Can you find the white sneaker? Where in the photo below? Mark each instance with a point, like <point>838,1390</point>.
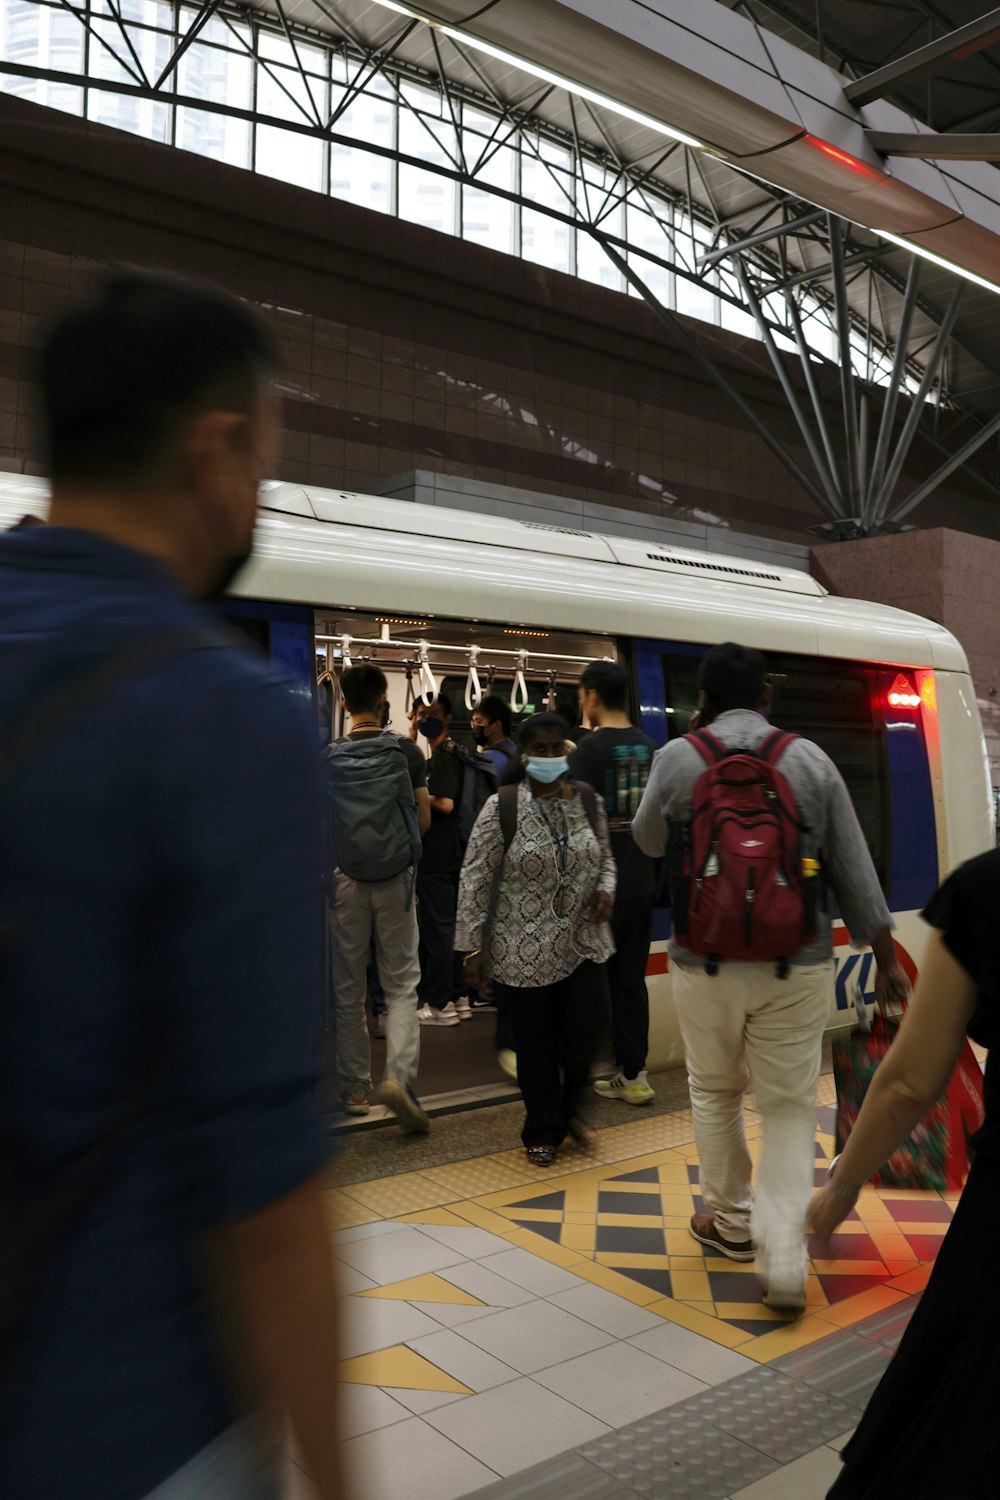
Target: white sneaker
<point>462,1008</point>
<point>629,1091</point>
<point>781,1266</point>
<point>447,1016</point>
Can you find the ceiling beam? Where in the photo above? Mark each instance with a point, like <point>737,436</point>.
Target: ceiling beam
<point>734,247</point>
<point>956,46</point>
<point>932,146</point>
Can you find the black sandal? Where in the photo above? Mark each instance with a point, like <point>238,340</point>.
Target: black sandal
<point>541,1156</point>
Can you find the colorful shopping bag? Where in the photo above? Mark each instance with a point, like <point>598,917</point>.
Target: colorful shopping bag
<point>936,1156</point>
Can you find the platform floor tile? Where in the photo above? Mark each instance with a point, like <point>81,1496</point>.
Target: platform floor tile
<point>512,1334</point>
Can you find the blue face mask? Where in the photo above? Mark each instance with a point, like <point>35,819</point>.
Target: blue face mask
<point>546,768</point>
<point>430,728</point>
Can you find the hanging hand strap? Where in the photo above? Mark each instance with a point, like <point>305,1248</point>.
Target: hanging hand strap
<point>428,686</point>
<point>473,691</point>
<point>519,694</point>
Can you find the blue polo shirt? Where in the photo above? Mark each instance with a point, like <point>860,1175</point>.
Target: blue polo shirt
<point>164,860</point>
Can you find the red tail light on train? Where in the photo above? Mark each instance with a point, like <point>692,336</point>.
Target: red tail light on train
<point>902,694</point>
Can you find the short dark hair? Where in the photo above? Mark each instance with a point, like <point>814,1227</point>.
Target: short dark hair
<point>441,698</point>
<point>733,676</point>
<point>362,687</point>
<point>495,710</point>
<point>609,681</point>
<point>528,728</point>
<point>126,367</point>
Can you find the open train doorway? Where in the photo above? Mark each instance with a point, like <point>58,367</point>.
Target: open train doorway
<point>531,670</point>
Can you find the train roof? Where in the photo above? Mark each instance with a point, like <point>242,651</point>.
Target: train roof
<point>348,551</point>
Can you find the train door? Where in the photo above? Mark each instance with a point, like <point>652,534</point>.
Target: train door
<point>284,632</point>
<point>529,670</point>
<point>871,721</point>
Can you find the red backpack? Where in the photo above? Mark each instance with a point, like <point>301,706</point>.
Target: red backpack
<point>742,865</point>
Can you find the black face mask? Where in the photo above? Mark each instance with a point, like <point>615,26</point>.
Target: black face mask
<point>229,569</point>
<point>480,734</point>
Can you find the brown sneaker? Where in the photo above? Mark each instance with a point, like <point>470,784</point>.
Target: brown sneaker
<point>702,1228</point>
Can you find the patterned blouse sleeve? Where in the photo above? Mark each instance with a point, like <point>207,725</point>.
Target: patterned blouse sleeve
<point>483,858</point>
<point>608,878</point>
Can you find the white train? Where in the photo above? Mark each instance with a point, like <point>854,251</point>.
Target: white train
<point>466,601</point>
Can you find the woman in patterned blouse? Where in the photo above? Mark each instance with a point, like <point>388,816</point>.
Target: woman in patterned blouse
<point>534,919</point>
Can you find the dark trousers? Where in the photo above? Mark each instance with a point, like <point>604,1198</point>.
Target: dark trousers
<point>631,928</point>
<point>505,1030</point>
<point>442,966</point>
<point>556,1025</point>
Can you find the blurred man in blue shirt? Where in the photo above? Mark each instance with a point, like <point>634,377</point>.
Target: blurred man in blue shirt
<point>161,872</point>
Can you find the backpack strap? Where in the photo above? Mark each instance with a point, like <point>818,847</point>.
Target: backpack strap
<point>61,707</point>
<point>507,804</point>
<point>708,747</point>
<point>589,799</point>
<point>36,1246</point>
<point>773,746</point>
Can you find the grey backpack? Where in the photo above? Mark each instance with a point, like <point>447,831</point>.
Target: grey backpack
<point>371,810</point>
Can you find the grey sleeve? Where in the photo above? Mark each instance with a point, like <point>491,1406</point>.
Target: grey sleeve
<point>848,865</point>
<point>650,824</point>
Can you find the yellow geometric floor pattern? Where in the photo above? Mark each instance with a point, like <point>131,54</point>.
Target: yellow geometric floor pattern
<point>619,1219</point>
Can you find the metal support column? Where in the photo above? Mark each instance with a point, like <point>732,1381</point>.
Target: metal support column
<point>940,475</point>
<point>895,386</point>
<point>855,460</point>
<point>826,475</point>
<point>692,347</point>
<point>881,503</point>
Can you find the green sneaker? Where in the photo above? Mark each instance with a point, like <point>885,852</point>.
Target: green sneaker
<point>627,1090</point>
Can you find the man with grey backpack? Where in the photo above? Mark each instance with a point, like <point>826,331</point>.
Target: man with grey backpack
<point>377,807</point>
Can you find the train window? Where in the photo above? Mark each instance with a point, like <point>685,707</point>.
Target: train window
<point>832,703</point>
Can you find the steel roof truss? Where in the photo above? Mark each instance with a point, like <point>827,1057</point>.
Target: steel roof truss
<point>925,61</point>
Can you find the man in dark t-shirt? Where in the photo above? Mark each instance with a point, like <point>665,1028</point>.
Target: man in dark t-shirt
<point>437,878</point>
<point>615,759</point>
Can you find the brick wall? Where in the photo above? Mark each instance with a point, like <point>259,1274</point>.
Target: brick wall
<point>950,577</point>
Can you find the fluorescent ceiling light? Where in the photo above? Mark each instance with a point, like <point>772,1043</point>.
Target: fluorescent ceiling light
<point>558,79</point>
<point>916,248</point>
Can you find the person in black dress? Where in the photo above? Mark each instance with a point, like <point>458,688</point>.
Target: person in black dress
<point>930,1430</point>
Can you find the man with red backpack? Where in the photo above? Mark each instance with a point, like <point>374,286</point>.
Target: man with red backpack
<point>755,824</point>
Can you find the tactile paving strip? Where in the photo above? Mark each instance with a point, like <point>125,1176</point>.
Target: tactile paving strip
<point>678,1455</point>
<point>778,1415</point>
<point>887,1327</point>
<point>847,1366</point>
<point>567,1478</point>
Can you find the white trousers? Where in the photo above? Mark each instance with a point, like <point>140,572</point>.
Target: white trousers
<point>743,1025</point>
<point>386,911</point>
